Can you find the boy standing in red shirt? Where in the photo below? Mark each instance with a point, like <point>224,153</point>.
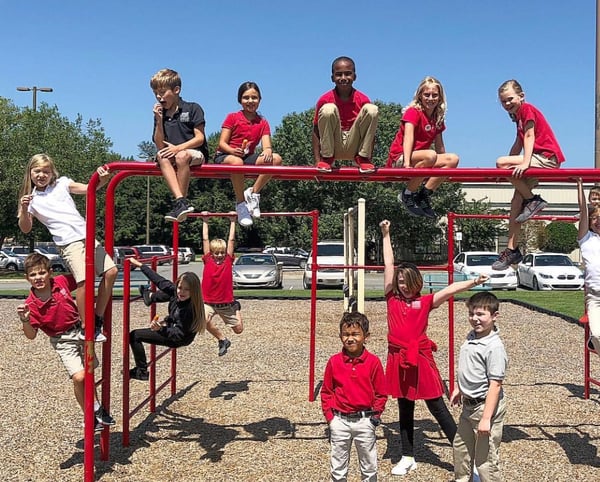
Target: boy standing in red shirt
<point>353,396</point>
<point>345,122</point>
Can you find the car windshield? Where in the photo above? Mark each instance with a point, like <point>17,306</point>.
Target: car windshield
<point>481,259</point>
<point>254,260</point>
<point>553,261</point>
<point>330,250</point>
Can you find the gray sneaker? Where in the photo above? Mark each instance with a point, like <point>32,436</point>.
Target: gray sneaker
<point>506,258</point>
<point>532,207</point>
<point>224,346</point>
<point>410,203</point>
<point>252,202</point>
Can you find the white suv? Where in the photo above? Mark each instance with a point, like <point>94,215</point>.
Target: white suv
<point>328,253</point>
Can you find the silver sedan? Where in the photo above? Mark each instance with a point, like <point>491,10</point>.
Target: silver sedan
<point>257,271</point>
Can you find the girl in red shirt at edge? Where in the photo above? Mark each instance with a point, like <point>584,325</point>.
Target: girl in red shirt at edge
<point>411,372</point>
<point>419,143</point>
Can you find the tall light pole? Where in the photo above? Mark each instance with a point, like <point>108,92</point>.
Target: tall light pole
<point>35,90</point>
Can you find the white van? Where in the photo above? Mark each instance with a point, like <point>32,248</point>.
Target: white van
<point>328,253</point>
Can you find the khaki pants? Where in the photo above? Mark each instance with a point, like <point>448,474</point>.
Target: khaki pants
<point>345,145</point>
<point>483,452</point>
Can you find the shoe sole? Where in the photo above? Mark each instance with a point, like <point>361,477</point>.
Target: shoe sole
<point>409,469</point>
<point>183,216</point>
<point>322,169</point>
<point>521,219</point>
<point>170,218</point>
<point>245,222</point>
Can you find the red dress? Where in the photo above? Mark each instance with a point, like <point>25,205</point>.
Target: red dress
<point>410,370</point>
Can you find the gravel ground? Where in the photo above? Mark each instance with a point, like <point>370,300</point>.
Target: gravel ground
<point>246,416</point>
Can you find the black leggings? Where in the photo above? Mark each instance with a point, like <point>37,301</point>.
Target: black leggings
<point>438,409</point>
<point>146,335</point>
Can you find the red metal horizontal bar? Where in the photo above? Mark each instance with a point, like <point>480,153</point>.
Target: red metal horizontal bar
<point>383,174</point>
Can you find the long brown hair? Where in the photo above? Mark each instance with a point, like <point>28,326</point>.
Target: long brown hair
<point>412,278</point>
<point>193,282</point>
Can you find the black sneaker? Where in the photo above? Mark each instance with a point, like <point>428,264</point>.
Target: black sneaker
<point>98,427</point>
<point>98,335</point>
<point>146,294</point>
<point>138,373</point>
<point>532,207</point>
<point>506,258</point>
<point>182,209</point>
<point>410,202</point>
<point>103,417</point>
<point>424,202</point>
<point>224,346</point>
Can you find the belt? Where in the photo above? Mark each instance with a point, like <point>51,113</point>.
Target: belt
<point>473,402</point>
<point>220,305</point>
<point>356,415</point>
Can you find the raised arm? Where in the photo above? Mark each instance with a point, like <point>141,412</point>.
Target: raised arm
<point>205,238</point>
<point>584,222</point>
<point>81,188</point>
<point>231,238</point>
<point>388,256</point>
<point>441,296</point>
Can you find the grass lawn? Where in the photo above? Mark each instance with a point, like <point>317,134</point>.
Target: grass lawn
<point>567,303</point>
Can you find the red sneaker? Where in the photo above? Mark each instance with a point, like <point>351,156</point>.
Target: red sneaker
<point>324,165</point>
<point>364,165</point>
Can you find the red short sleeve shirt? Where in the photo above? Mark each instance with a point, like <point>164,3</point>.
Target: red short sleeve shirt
<point>58,313</point>
<point>217,280</point>
<point>242,128</point>
<point>425,133</point>
<point>348,109</point>
<point>545,142</point>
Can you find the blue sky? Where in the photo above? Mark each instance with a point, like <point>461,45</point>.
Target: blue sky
<point>99,56</point>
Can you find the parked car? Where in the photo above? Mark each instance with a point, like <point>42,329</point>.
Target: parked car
<point>121,253</point>
<point>328,253</point>
<point>56,262</point>
<point>11,261</point>
<point>151,250</point>
<point>473,263</point>
<point>295,257</point>
<point>188,255</point>
<point>549,271</point>
<point>257,271</point>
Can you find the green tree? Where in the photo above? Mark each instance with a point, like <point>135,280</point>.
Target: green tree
<point>77,148</point>
<point>561,237</point>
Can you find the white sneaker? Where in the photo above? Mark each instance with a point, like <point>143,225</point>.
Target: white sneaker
<point>252,202</point>
<point>405,465</point>
<point>243,215</point>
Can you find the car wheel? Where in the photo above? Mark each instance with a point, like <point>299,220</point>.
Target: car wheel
<point>11,267</point>
<point>302,264</point>
<point>58,268</point>
<point>305,284</point>
<point>536,286</point>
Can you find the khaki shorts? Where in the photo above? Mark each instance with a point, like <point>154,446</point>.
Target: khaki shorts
<point>197,156</point>
<point>539,161</point>
<point>74,256</point>
<point>70,349</point>
<point>226,311</point>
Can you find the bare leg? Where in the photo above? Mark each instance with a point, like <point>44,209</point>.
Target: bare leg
<point>443,161</point>
<point>170,176</point>
<point>514,228</point>
<point>263,179</point>
<point>79,387</point>
<point>213,330</point>
<point>80,301</point>
<point>105,290</point>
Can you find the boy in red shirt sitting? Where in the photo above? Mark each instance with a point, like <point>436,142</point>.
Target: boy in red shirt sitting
<point>353,396</point>
<point>345,122</point>
<point>50,307</point>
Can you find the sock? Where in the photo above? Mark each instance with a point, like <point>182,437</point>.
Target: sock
<point>96,405</point>
<point>408,192</point>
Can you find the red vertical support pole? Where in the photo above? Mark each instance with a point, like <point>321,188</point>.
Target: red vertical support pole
<point>451,302</point>
<point>125,348</point>
<point>89,382</point>
<point>175,246</point>
<point>313,308</point>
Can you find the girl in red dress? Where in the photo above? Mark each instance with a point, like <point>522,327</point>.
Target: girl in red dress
<point>411,372</point>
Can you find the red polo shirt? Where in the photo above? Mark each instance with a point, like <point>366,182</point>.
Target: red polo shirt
<point>545,143</point>
<point>348,109</point>
<point>58,313</point>
<point>352,384</point>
